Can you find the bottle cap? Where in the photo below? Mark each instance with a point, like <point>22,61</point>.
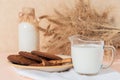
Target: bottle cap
<point>28,11</point>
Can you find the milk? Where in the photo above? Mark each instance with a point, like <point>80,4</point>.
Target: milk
<point>87,58</point>
<point>28,37</point>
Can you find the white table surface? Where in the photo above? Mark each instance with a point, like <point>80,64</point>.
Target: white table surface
<point>7,73</point>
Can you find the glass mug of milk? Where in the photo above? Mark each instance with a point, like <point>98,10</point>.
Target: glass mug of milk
<point>87,55</point>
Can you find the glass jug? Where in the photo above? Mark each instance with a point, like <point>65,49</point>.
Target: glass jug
<point>87,55</point>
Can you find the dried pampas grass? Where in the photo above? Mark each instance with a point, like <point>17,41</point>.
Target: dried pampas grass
<point>82,20</point>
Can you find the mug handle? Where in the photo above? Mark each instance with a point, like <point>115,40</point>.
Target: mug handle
<point>113,56</point>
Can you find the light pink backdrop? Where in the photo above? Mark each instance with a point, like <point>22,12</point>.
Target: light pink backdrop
<point>9,16</point>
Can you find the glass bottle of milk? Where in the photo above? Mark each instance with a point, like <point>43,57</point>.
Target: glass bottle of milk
<point>28,33</point>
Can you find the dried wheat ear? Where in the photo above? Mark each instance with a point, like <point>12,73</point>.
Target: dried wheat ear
<point>82,20</point>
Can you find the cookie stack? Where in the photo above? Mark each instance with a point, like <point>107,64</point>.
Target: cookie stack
<point>37,58</point>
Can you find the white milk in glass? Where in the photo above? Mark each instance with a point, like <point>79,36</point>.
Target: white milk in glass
<point>87,58</point>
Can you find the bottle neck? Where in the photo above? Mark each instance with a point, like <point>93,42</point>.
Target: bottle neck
<point>29,18</point>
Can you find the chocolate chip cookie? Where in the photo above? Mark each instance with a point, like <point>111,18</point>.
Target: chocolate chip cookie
<point>46,55</point>
<point>30,56</point>
<point>18,59</point>
<point>44,63</point>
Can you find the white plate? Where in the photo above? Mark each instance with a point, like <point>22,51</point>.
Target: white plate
<point>46,68</point>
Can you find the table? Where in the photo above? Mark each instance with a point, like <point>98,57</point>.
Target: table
<point>6,73</point>
<point>116,64</point>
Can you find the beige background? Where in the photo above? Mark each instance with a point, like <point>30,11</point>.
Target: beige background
<point>9,10</point>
